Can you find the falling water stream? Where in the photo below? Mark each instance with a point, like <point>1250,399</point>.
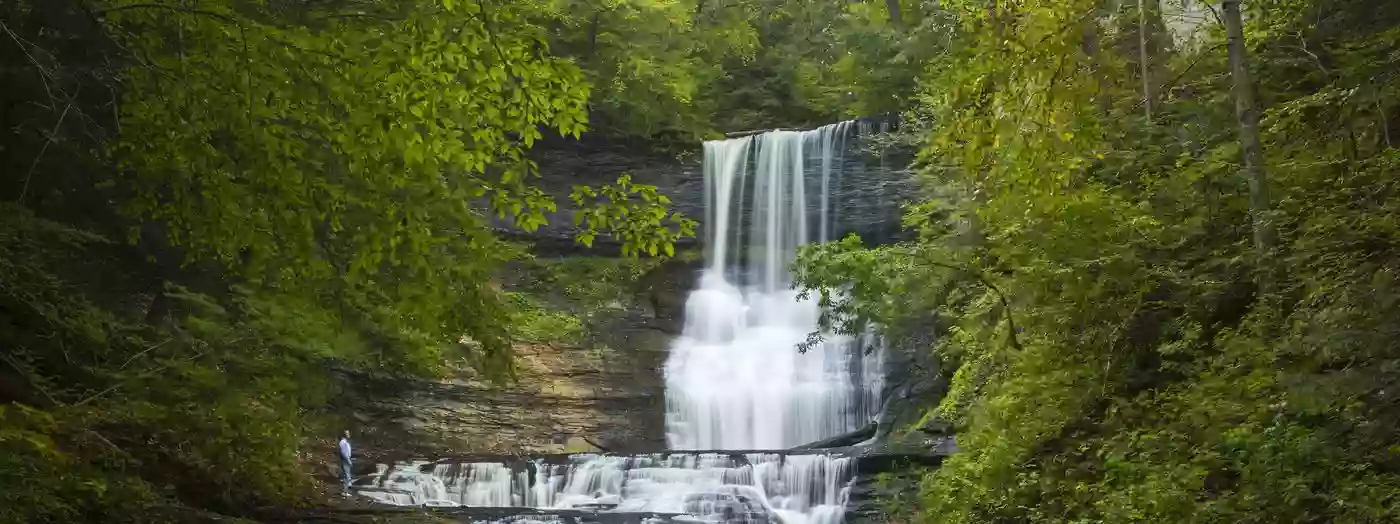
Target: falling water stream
<point>735,378</point>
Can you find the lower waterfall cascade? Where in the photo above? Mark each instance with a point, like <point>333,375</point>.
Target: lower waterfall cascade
<point>735,377</point>
<point>735,488</point>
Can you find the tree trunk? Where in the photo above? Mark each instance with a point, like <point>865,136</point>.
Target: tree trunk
<point>1144,60</point>
<point>1096,64</point>
<point>593,35</point>
<point>1384,124</point>
<point>159,310</point>
<point>896,17</point>
<point>1251,147</point>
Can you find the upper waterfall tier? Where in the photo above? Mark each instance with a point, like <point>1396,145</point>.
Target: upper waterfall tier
<point>735,379</point>
<point>870,189</point>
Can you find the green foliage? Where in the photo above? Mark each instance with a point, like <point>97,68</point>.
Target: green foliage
<point>677,71</point>
<point>898,494</point>
<point>591,282</point>
<point>1090,271</point>
<point>643,224</point>
<point>208,409</point>
<point>821,61</point>
<point>532,321</point>
<point>305,186</point>
<point>574,300</point>
<point>650,61</point>
<point>325,154</point>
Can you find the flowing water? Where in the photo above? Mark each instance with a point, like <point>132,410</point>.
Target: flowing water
<point>735,378</point>
<point>738,488</point>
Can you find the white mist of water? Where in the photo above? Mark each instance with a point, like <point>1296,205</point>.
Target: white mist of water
<point>736,379</point>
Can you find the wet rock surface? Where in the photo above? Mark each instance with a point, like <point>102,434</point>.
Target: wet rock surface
<point>606,395</point>
<point>914,384</point>
<point>381,514</point>
<point>870,188</point>
<point>603,393</point>
<point>908,442</point>
<point>567,399</point>
<point>566,484</point>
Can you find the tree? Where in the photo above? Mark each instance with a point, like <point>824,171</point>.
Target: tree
<point>1144,61</point>
<point>306,184</point>
<point>327,152</point>
<point>1109,357</point>
<point>651,64</point>
<point>1251,147</point>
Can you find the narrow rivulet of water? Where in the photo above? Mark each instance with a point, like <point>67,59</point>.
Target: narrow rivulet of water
<point>735,378</point>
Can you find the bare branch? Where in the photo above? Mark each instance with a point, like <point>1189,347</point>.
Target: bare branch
<point>30,378</point>
<point>44,74</point>
<point>118,385</point>
<point>1172,83</point>
<point>47,141</point>
<point>143,352</point>
<point>212,14</point>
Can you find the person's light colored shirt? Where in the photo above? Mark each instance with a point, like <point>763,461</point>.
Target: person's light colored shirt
<point>344,448</point>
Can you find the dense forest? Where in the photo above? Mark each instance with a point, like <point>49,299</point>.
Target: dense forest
<point>1159,243</point>
<point>1157,240</point>
<point>211,204</point>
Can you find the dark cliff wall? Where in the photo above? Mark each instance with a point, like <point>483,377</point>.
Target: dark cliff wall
<point>865,198</point>
<point>606,390</point>
<point>602,389</point>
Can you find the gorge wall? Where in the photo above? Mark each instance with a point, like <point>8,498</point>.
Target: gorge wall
<point>604,387</point>
<point>871,190</point>
<point>588,369</point>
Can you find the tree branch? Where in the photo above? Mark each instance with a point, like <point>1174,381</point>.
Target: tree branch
<point>221,16</point>
<point>1005,304</point>
<point>114,387</point>
<point>597,445</point>
<point>30,377</point>
<point>44,74</point>
<point>143,352</point>
<point>48,140</point>
<point>1172,83</point>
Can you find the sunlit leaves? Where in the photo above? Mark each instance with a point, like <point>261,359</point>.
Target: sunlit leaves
<point>633,213</point>
<point>649,59</point>
<point>346,152</point>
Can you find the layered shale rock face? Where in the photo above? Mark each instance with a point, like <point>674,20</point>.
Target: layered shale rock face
<point>603,389</point>
<point>582,430</point>
<point>869,193</point>
<point>589,369</point>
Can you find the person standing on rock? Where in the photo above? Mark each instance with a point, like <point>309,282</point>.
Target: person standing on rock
<point>344,451</point>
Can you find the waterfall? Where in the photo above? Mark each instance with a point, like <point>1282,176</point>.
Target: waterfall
<point>738,390</point>
<point>747,487</point>
<point>735,379</point>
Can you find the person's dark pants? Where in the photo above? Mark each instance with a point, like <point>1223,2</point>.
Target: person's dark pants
<point>345,474</point>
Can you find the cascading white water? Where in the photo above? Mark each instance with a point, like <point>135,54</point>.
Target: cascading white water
<point>735,379</point>
<point>800,488</point>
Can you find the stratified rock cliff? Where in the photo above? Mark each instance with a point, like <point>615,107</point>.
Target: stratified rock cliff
<point>868,187</point>
<point>602,387</point>
<point>589,369</point>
